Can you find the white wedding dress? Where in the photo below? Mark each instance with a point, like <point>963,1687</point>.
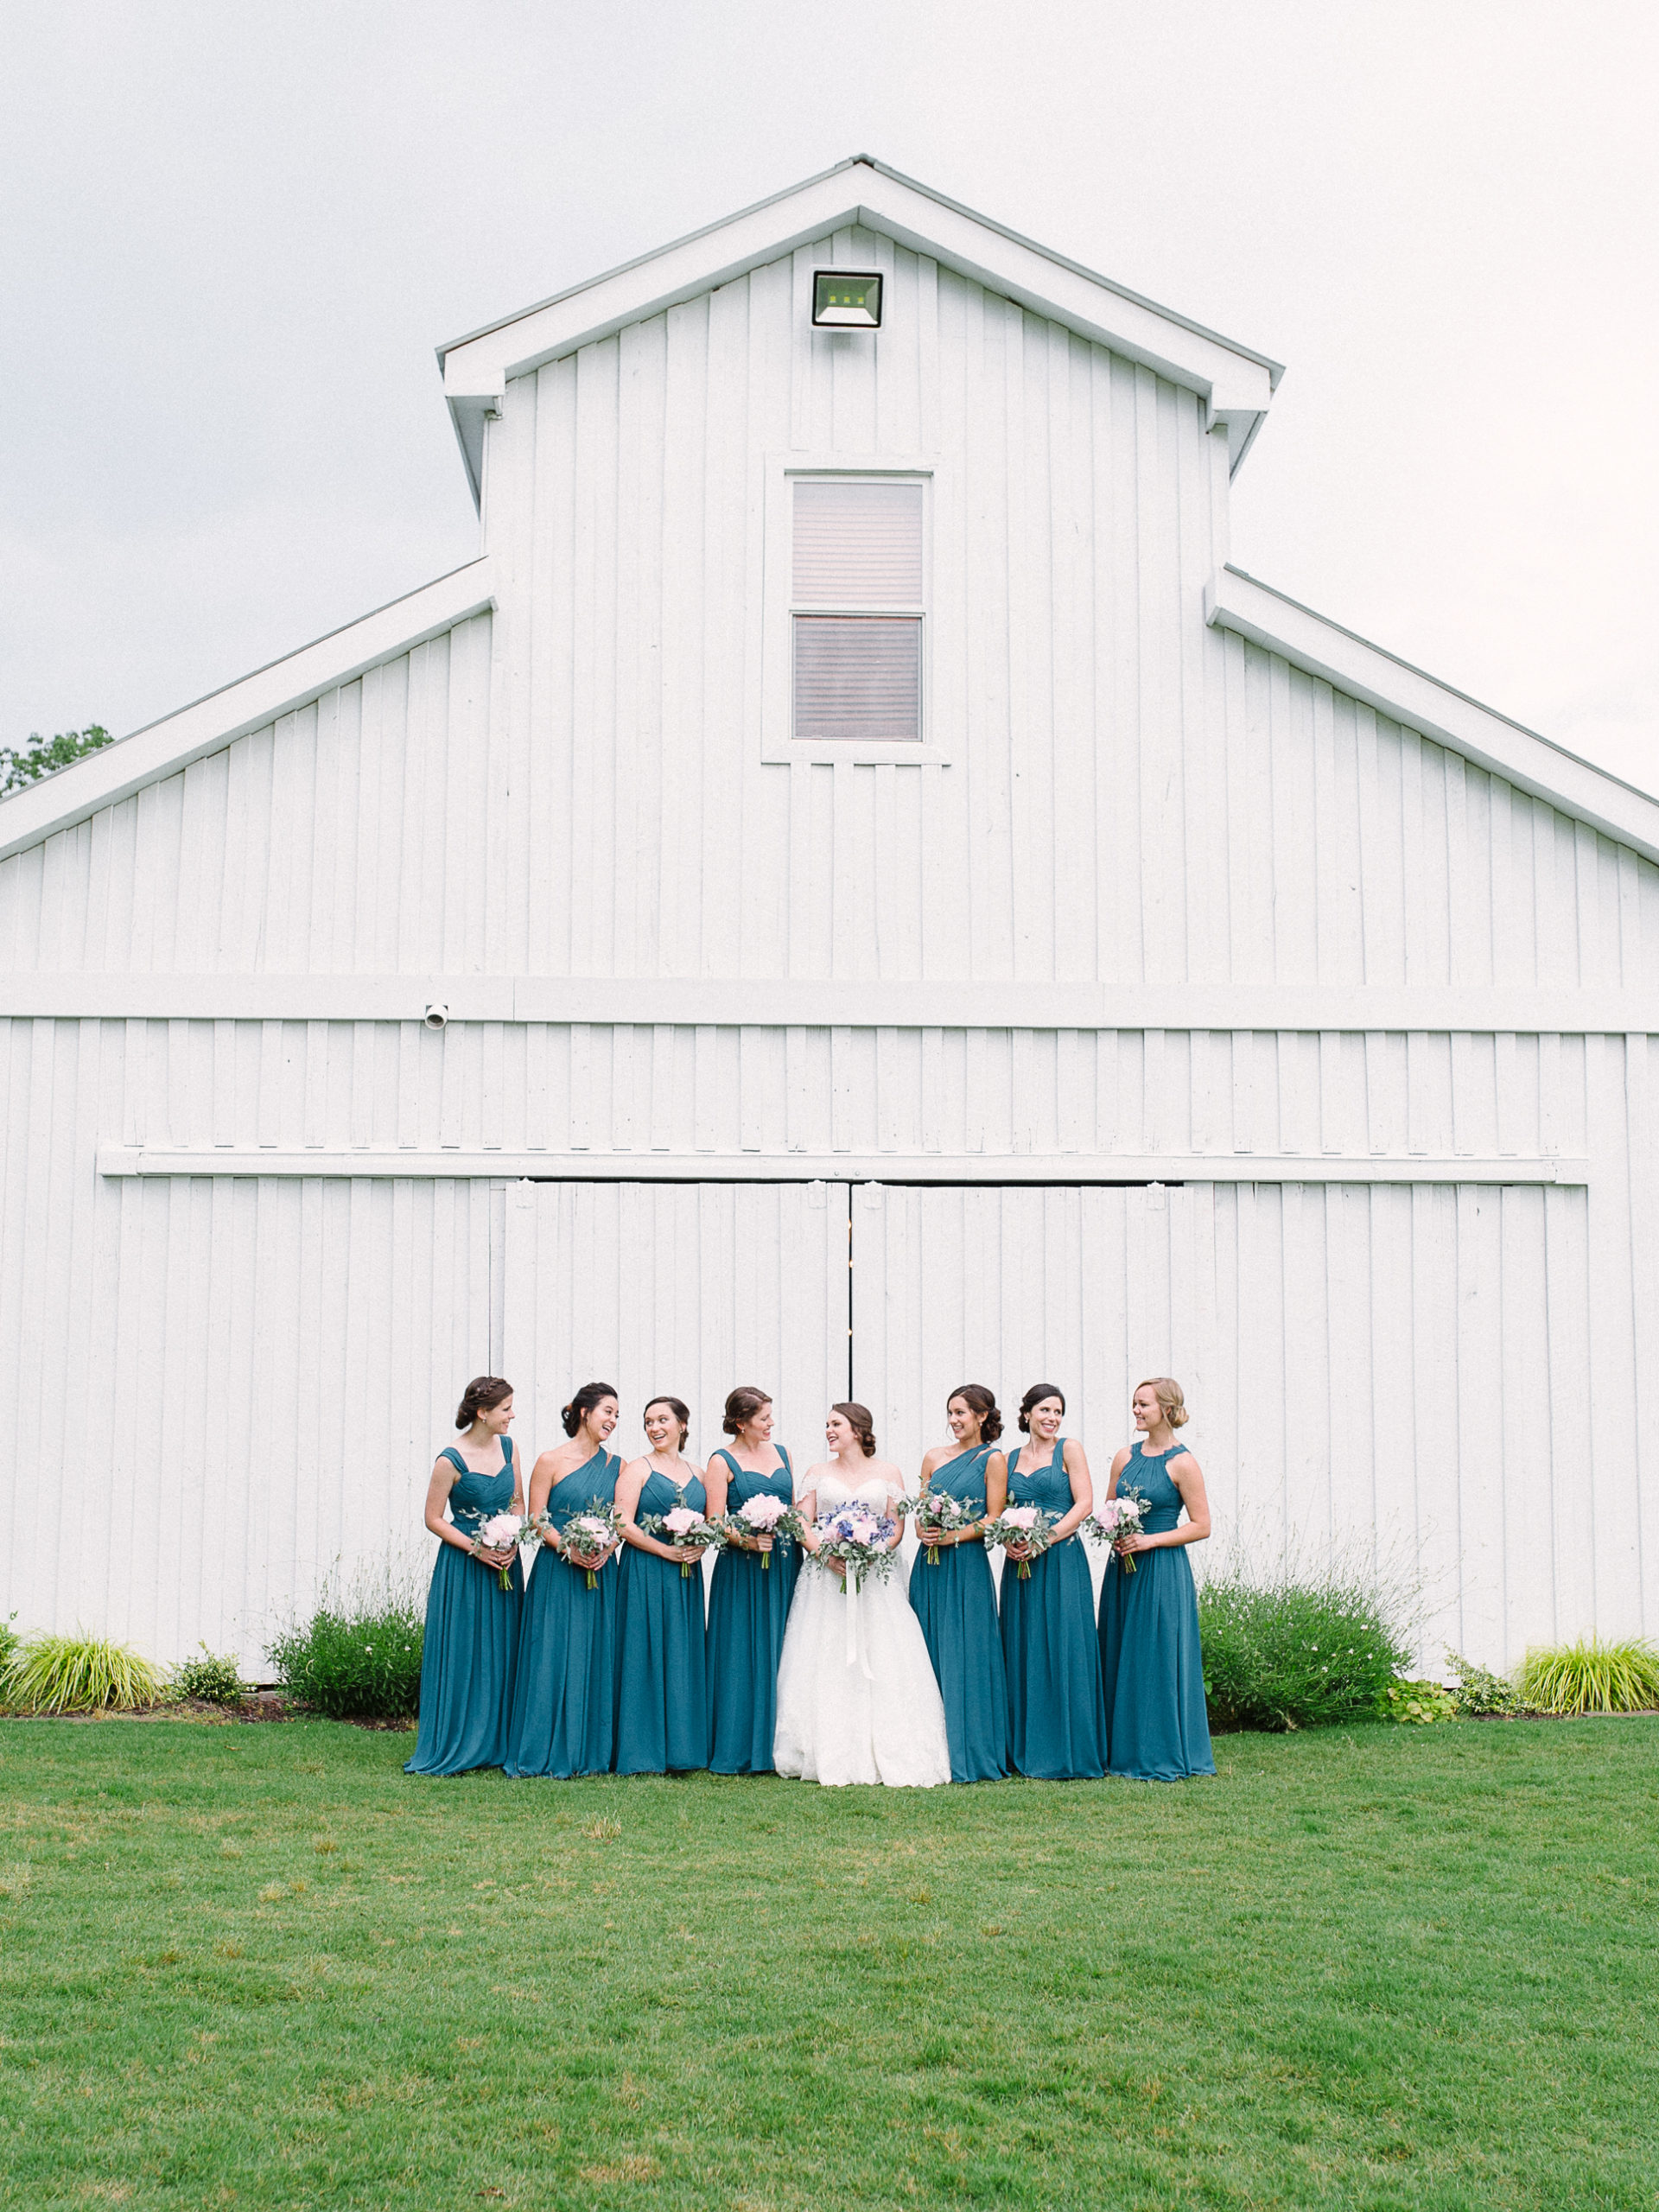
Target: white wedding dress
<point>857,1699</point>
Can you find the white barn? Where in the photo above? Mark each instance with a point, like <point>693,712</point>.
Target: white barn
<point>906,910</point>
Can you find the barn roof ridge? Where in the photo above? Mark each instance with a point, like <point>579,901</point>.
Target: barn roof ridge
<point>1235,381</point>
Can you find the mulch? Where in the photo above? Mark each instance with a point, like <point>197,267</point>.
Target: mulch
<point>262,1704</point>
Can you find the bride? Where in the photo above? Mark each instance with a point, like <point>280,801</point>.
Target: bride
<point>857,1699</point>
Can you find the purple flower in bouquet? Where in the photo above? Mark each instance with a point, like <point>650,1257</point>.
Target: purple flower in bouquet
<point>861,1541</point>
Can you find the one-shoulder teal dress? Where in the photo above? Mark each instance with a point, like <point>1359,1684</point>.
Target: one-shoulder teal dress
<point>564,1698</point>
<point>1151,1666</point>
<point>472,1636</point>
<point>747,1607</point>
<point>662,1687</point>
<point>1057,1721</point>
<point>955,1603</point>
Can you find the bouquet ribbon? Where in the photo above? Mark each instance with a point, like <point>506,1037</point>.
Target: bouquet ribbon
<point>855,1649</point>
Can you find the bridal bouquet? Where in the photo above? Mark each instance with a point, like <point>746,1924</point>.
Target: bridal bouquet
<point>761,1516</point>
<point>587,1533</point>
<point>938,1514</point>
<point>502,1532</point>
<point>1025,1525</point>
<point>1118,1517</point>
<point>861,1540</point>
<point>683,1527</point>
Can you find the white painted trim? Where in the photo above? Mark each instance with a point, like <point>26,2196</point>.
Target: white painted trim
<point>162,748</point>
<point>1365,672</point>
<point>774,1003</point>
<point>1236,383</point>
<point>469,1162</point>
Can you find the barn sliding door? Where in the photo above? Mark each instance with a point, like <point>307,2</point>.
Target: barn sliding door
<point>1090,1289</point>
<point>681,1287</point>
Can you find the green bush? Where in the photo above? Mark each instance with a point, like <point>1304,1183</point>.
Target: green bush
<point>209,1680</point>
<point>1417,1704</point>
<point>80,1674</point>
<point>1591,1676</point>
<point>1297,1650</point>
<point>10,1645</point>
<point>1477,1691</point>
<point>354,1666</point>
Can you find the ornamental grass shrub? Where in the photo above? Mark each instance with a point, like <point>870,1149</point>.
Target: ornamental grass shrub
<point>1591,1676</point>
<point>357,1664</point>
<point>80,1674</point>
<point>1299,1649</point>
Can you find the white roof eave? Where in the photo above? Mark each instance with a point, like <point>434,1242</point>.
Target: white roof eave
<point>1236,384</point>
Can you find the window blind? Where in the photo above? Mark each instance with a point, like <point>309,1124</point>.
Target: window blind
<point>858,544</point>
<point>858,676</point>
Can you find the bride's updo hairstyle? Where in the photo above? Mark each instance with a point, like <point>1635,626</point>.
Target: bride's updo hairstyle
<point>1170,1399</point>
<point>983,1402</point>
<point>1034,1397</point>
<point>482,1395</point>
<point>590,1395</point>
<point>680,1410</point>
<point>857,1417</point>
<point>741,1407</point>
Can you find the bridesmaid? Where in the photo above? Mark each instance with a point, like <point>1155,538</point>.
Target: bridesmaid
<point>1057,1721</point>
<point>1152,1669</point>
<point>748,1603</point>
<point>564,1700</point>
<point>955,1601</point>
<point>471,1622</point>
<point>662,1690</point>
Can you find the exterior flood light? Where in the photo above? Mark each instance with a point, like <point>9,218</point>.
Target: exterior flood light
<point>847,299</point>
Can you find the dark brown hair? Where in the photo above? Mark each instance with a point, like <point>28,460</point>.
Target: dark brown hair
<point>982,1400</point>
<point>857,1417</point>
<point>590,1395</point>
<point>1034,1397</point>
<point>741,1406</point>
<point>677,1407</point>
<point>482,1395</point>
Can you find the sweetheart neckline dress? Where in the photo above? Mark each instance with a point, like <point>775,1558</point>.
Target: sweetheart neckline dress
<point>470,1649</point>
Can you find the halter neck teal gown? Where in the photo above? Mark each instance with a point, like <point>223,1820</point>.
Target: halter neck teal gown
<point>662,1688</point>
<point>472,1636</point>
<point>955,1603</point>
<point>1057,1722</point>
<point>564,1698</point>
<point>747,1608</point>
<point>1152,1667</point>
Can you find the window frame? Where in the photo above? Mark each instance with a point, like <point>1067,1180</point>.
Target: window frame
<point>778,743</point>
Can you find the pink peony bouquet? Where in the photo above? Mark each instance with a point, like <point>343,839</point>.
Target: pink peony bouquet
<point>863,1541</point>
<point>1028,1526</point>
<point>683,1527</point>
<point>502,1532</point>
<point>938,1514</point>
<point>762,1516</point>
<point>1118,1517</point>
<point>586,1537</point>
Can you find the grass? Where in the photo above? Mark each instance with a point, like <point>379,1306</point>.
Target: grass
<point>1592,1677</point>
<point>1383,1969</point>
<point>80,1674</point>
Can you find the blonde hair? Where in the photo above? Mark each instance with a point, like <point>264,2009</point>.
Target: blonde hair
<point>1170,1400</point>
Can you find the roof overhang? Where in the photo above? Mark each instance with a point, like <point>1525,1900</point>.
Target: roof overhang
<point>1235,384</point>
<point>85,788</point>
<point>1351,664</point>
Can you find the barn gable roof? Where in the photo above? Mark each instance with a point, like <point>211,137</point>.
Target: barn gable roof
<point>1236,383</point>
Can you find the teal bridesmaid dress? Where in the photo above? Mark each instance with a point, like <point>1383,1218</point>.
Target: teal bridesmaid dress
<point>564,1698</point>
<point>955,1603</point>
<point>1057,1721</point>
<point>662,1688</point>
<point>1151,1666</point>
<point>747,1608</point>
<point>472,1636</point>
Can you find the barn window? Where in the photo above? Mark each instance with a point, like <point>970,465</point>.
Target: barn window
<point>856,610</point>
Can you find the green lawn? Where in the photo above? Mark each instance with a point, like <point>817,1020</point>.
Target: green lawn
<point>258,1966</point>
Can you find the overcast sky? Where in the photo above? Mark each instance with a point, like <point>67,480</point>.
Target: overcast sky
<point>232,237</point>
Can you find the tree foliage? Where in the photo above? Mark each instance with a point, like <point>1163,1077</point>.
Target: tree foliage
<point>24,764</point>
